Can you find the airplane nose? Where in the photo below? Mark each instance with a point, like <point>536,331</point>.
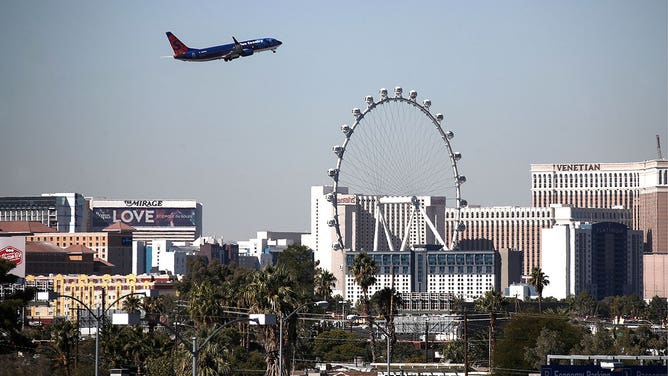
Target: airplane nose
<point>278,42</point>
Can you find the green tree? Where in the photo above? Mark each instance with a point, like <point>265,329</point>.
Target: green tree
<point>633,306</point>
<point>387,303</point>
<point>272,290</point>
<point>11,337</point>
<point>601,342</point>
<point>132,304</point>
<point>204,304</point>
<point>629,341</point>
<point>539,280</point>
<point>153,307</point>
<point>65,336</point>
<point>159,358</point>
<point>212,358</point>
<point>453,351</point>
<point>548,342</point>
<point>491,302</point>
<point>338,346</point>
<point>196,271</point>
<point>324,283</point>
<point>657,310</point>
<point>364,269</point>
<point>520,333</point>
<point>582,305</point>
<point>615,307</point>
<point>298,261</point>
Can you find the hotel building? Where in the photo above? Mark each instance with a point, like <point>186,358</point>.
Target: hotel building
<point>64,212</point>
<point>371,224</point>
<point>512,227</point>
<point>113,244</point>
<point>102,291</point>
<point>420,272</point>
<point>177,220</point>
<point>486,229</point>
<point>641,187</point>
<point>604,258</point>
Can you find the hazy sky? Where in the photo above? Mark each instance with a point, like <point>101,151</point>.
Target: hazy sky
<point>88,105</point>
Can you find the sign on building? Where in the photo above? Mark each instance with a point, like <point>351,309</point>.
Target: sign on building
<point>13,248</point>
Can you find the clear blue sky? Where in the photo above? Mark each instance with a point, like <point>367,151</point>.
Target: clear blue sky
<point>88,105</point>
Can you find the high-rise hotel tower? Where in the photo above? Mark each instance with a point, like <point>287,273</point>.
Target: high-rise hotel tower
<point>641,187</point>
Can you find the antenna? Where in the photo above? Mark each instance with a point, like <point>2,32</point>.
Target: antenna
<point>658,147</point>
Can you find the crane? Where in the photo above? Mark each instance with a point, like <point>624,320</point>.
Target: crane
<point>658,147</point>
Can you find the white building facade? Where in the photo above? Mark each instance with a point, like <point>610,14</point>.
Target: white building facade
<point>165,256</point>
<point>603,258</point>
<point>461,274</point>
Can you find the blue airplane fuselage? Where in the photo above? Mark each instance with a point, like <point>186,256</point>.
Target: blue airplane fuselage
<point>227,52</point>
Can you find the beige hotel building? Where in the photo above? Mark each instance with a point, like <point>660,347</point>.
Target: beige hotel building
<point>515,227</point>
<point>641,187</point>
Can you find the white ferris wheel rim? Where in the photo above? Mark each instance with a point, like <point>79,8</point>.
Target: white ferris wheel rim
<point>446,136</point>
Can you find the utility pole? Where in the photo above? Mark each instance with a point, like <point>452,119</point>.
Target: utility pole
<point>390,322</point>
<point>426,341</point>
<point>466,344</point>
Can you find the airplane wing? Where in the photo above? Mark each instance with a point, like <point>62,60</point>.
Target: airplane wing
<point>236,51</point>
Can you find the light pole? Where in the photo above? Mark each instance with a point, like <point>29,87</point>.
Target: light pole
<point>426,340</point>
<point>387,337</point>
<point>97,317</point>
<point>320,303</point>
<point>193,347</point>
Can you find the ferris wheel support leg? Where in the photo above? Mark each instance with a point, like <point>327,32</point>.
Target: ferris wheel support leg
<point>376,214</point>
<point>432,227</point>
<point>407,231</point>
<point>387,231</point>
<point>387,235</point>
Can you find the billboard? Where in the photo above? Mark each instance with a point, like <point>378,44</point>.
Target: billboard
<point>144,217</point>
<point>13,248</point>
<point>594,370</point>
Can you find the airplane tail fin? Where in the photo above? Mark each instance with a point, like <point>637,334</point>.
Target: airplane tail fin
<point>178,46</point>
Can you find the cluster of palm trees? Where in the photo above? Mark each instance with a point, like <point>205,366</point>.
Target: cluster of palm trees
<point>212,295</point>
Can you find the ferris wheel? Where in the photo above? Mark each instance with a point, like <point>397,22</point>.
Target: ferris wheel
<point>395,156</point>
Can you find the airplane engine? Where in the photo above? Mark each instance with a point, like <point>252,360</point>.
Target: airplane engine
<point>247,52</point>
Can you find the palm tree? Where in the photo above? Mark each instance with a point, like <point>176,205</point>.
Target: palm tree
<point>211,358</point>
<point>153,308</point>
<point>131,304</point>
<point>64,335</point>
<point>387,302</point>
<point>204,304</point>
<point>492,301</point>
<point>134,346</point>
<point>364,270</point>
<point>324,283</point>
<point>538,279</point>
<point>272,291</point>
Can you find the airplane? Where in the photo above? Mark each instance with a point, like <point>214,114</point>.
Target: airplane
<point>226,52</point>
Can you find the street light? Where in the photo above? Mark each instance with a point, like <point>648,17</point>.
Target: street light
<point>320,303</point>
<point>98,317</point>
<point>193,347</point>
